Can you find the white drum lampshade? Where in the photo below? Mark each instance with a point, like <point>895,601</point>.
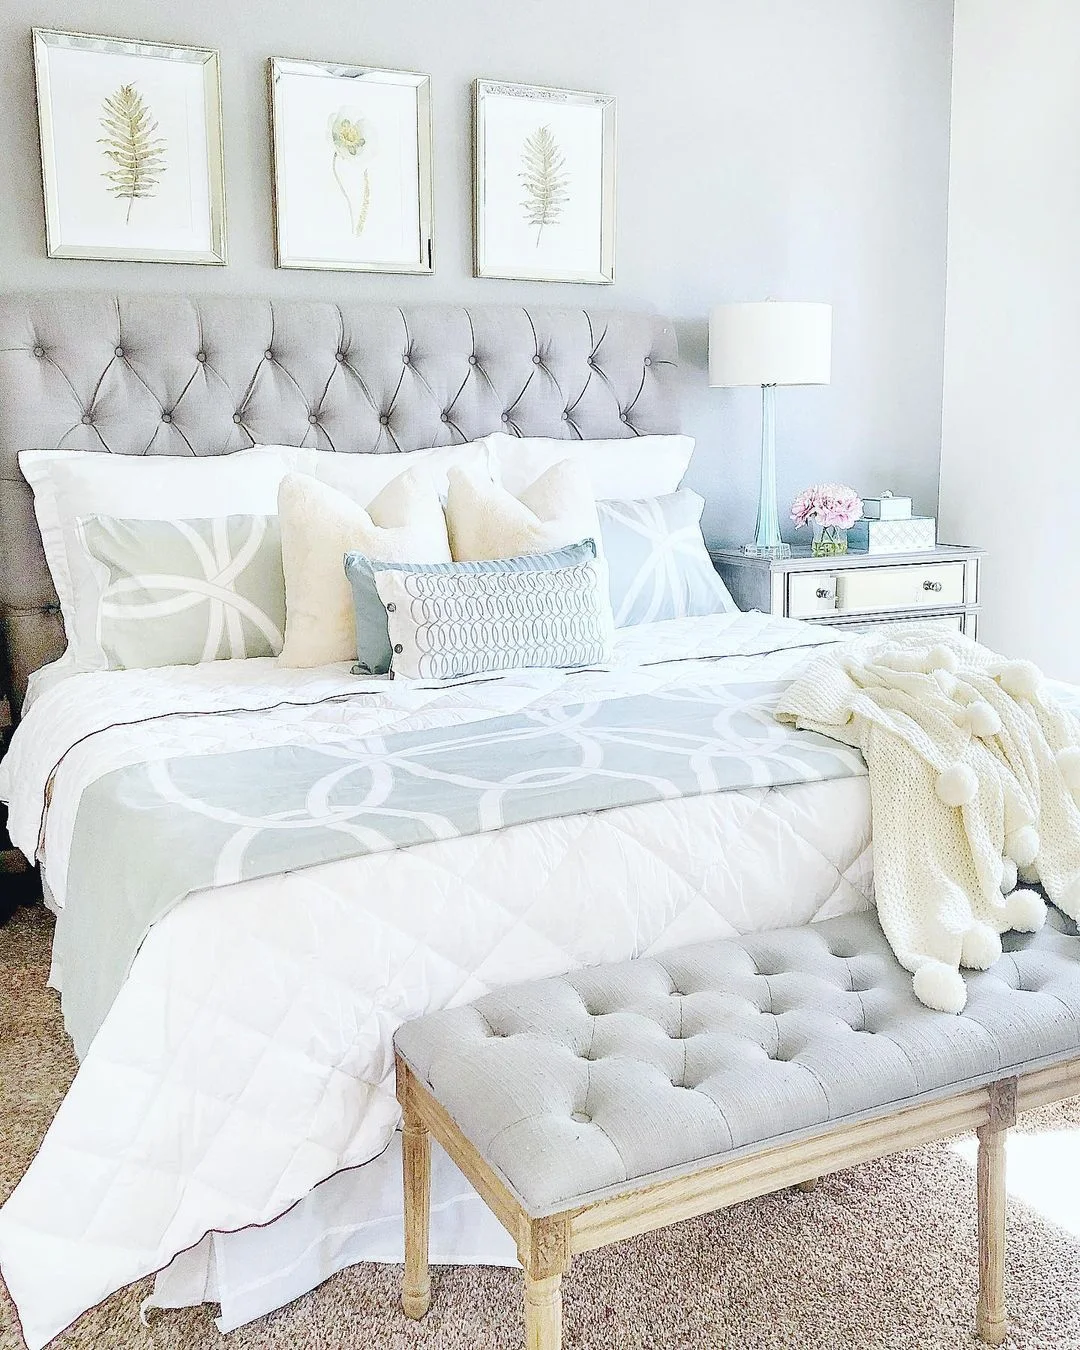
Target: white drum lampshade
<point>768,343</point>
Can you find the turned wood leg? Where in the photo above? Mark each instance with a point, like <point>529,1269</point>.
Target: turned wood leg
<point>544,1251</point>
<point>990,1322</point>
<point>543,1313</point>
<point>416,1171</point>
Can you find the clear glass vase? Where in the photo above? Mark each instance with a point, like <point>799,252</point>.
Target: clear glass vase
<point>829,541</point>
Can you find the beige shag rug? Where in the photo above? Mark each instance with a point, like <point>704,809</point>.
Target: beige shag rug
<point>882,1256</point>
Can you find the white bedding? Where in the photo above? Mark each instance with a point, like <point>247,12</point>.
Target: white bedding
<point>247,1056</point>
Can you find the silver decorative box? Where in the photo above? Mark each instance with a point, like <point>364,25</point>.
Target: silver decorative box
<point>914,535</point>
<point>887,507</point>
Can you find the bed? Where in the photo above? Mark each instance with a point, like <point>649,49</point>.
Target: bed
<point>232,1125</point>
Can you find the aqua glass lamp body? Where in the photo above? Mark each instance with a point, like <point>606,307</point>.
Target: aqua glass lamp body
<point>769,343</point>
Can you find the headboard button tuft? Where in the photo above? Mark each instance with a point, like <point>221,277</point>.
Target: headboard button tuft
<point>166,417</point>
<point>86,419</point>
<point>237,418</point>
<point>200,356</point>
<point>39,352</point>
<point>118,351</point>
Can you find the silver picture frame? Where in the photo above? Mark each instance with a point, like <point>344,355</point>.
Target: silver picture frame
<point>416,254</point>
<point>66,228</point>
<point>500,179</point>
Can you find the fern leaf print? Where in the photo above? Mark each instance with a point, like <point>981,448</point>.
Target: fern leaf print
<point>545,180</point>
<point>134,150</point>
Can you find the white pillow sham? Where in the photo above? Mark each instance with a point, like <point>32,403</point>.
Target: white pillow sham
<point>485,521</point>
<point>631,467</point>
<point>319,525</point>
<point>363,477</point>
<point>71,485</point>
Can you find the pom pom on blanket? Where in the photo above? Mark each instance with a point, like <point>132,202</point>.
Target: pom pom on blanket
<point>983,720</point>
<point>940,986</point>
<point>957,785</point>
<point>941,658</point>
<point>1026,911</point>
<point>1022,845</point>
<point>1068,761</point>
<point>981,947</point>
<point>1020,679</point>
<point>1010,876</point>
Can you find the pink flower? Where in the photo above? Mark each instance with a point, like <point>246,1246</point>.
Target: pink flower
<point>832,504</point>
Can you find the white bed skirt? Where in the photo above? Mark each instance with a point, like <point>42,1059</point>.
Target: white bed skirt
<point>352,1217</point>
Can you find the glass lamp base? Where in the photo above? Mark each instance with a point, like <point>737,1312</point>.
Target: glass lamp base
<point>767,550</point>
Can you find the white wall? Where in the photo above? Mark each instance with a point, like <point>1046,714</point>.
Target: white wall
<point>788,148</point>
<point>1010,464</point>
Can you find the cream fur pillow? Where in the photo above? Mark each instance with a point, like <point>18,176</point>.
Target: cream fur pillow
<point>485,521</point>
<point>319,525</point>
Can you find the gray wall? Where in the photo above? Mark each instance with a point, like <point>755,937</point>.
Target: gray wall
<point>792,149</point>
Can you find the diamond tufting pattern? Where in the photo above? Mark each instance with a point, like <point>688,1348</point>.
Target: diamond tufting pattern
<point>603,1079</point>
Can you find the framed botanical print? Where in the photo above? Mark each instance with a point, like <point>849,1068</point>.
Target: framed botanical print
<point>352,167</point>
<point>131,154</point>
<point>544,183</point>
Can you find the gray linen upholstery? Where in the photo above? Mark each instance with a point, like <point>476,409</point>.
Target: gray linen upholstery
<point>599,1081</point>
<point>169,375</point>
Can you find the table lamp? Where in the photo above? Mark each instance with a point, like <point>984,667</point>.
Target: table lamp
<point>769,342</point>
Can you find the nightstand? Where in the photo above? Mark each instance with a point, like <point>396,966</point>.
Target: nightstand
<point>857,591</point>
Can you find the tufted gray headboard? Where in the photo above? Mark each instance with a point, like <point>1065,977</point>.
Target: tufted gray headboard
<point>140,375</point>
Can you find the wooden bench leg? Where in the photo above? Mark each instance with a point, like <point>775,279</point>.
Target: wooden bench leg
<point>544,1251</point>
<point>416,1171</point>
<point>543,1313</point>
<point>990,1321</point>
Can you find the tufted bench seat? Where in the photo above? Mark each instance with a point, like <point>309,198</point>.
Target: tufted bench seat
<point>611,1101</point>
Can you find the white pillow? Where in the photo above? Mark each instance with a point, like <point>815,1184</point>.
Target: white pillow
<point>69,485</point>
<point>486,521</point>
<point>319,525</point>
<point>362,477</point>
<point>632,467</point>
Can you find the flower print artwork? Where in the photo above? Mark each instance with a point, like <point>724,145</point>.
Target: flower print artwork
<point>352,141</point>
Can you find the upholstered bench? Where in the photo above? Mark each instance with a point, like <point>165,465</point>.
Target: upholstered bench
<point>609,1102</point>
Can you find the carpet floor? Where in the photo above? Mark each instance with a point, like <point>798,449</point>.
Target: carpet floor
<point>881,1256</point>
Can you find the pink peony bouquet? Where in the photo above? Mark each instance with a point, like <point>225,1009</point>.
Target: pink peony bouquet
<point>827,504</point>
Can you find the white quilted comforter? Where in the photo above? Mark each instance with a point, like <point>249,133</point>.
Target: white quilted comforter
<point>248,1054</point>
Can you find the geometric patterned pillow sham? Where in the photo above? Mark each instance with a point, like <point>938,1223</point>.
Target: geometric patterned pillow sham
<point>453,620</point>
<point>658,564</point>
<point>181,592</point>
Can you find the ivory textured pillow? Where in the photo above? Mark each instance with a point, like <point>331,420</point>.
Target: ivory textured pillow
<point>319,525</point>
<point>548,610</point>
<point>181,592</point>
<point>485,521</point>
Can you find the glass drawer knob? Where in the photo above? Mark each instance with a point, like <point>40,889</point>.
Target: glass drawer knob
<point>823,594</point>
<point>931,585</point>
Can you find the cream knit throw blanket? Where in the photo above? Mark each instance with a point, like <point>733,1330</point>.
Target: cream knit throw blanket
<point>974,780</point>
